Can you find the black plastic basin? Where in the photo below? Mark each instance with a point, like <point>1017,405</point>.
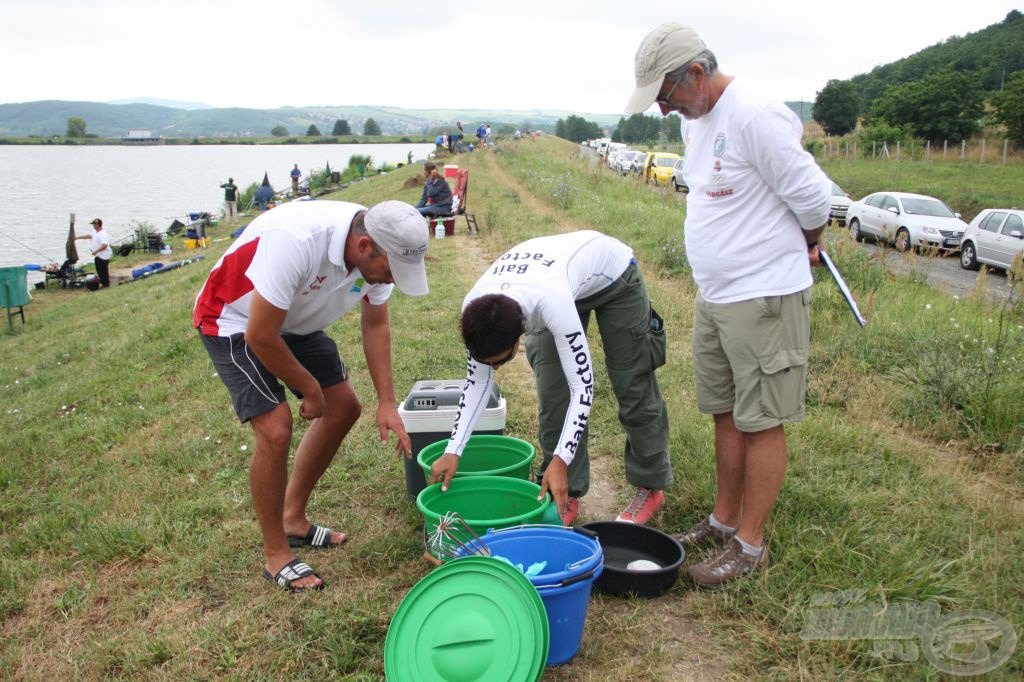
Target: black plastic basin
<point>626,542</point>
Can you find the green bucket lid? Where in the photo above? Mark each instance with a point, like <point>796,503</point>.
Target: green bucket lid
<point>473,619</point>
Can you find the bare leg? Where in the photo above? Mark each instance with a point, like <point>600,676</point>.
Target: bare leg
<point>315,453</point>
<point>767,456</point>
<point>730,459</point>
<point>268,474</point>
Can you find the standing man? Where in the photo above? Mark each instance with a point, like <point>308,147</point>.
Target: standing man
<point>261,315</point>
<point>436,190</point>
<point>100,249</point>
<point>547,288</point>
<point>296,174</point>
<point>230,198</point>
<point>757,205</point>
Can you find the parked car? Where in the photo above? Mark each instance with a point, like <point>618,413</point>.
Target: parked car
<point>678,181</point>
<point>637,164</point>
<point>658,167</point>
<point>840,204</point>
<point>611,147</point>
<point>623,162</point>
<point>995,237</point>
<point>906,220</point>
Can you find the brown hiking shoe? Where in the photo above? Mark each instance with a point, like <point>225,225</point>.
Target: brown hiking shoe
<point>703,531</point>
<point>727,565</point>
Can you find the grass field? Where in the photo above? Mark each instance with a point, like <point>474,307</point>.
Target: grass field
<point>128,545</point>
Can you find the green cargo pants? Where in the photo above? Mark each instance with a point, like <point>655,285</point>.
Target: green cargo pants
<point>634,346</point>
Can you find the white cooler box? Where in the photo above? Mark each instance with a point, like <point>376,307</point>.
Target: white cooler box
<point>429,416</point>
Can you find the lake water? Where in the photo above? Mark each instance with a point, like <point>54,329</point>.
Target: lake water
<point>41,185</point>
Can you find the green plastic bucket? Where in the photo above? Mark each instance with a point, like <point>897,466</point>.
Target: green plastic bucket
<point>485,456</point>
<point>474,619</point>
<point>485,502</point>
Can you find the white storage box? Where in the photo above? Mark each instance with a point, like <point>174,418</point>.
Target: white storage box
<point>428,414</point>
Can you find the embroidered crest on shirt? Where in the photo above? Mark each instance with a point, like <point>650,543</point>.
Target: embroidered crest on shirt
<point>357,286</point>
<point>719,148</point>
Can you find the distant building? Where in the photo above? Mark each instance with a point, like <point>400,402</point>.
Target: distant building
<point>140,136</point>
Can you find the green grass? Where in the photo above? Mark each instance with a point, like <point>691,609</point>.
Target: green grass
<point>128,545</point>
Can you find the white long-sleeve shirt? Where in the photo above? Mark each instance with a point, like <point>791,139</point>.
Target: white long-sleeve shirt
<point>753,189</point>
<point>546,276</point>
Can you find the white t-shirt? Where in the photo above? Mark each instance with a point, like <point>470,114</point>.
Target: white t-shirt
<point>294,256</point>
<point>753,189</point>
<point>546,276</point>
<point>100,240</point>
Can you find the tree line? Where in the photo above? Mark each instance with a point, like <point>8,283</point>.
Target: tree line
<point>636,129</point>
<point>946,92</point>
<point>341,127</point>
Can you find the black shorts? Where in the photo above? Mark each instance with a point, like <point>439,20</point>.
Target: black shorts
<point>254,390</point>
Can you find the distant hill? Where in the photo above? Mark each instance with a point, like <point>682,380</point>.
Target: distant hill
<point>991,55</point>
<point>49,117</point>
<point>156,101</point>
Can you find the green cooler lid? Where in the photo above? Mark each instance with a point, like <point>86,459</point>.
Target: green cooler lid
<point>472,619</point>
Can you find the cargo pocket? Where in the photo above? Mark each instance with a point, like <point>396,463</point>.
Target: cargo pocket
<point>783,383</point>
<point>650,339</point>
<point>656,339</point>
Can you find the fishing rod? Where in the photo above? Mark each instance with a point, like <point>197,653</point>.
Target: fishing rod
<point>21,243</point>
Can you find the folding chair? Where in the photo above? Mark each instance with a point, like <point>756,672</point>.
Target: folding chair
<point>459,199</point>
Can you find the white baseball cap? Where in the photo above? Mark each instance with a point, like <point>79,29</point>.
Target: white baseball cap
<point>400,231</point>
<point>667,47</point>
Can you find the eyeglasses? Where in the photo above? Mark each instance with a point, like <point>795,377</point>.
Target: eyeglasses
<point>665,100</point>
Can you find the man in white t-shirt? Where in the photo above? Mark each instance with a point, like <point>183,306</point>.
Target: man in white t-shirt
<point>261,315</point>
<point>757,205</point>
<point>547,288</point>
<point>99,247</point>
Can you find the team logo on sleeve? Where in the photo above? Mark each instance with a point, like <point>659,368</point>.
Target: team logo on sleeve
<point>719,148</point>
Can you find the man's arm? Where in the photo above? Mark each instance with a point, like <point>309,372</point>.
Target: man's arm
<point>263,334</point>
<point>472,402</point>
<point>376,330</point>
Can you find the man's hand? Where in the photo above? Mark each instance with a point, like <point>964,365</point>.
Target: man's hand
<point>814,255</point>
<point>313,403</point>
<point>443,470</point>
<point>556,481</point>
<point>388,419</point>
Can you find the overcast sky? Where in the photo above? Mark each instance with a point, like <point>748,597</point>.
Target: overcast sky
<point>519,55</point>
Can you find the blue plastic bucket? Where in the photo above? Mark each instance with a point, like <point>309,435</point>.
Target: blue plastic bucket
<point>574,560</point>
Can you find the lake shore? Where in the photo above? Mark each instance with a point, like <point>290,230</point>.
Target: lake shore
<point>172,141</point>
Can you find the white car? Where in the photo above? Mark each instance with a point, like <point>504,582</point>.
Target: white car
<point>906,220</point>
<point>678,181</point>
<point>611,148</point>
<point>623,161</point>
<point>839,205</point>
<point>995,237</point>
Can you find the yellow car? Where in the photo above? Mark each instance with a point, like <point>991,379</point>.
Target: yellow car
<point>658,167</point>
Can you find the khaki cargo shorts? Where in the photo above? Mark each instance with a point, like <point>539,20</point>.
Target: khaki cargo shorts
<point>750,359</point>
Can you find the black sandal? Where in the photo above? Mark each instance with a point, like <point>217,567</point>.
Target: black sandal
<point>318,537</point>
<point>292,571</point>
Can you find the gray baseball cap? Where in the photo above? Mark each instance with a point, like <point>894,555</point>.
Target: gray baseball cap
<point>667,47</point>
<point>399,229</point>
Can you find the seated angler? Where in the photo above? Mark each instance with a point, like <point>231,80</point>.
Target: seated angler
<point>437,195</point>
